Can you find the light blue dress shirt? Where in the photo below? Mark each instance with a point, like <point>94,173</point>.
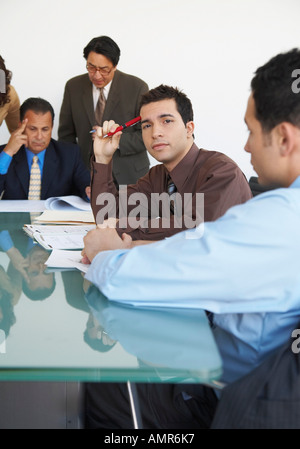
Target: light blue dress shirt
<point>5,160</point>
<point>244,267</point>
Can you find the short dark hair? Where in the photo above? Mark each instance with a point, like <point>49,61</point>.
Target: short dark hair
<point>105,46</point>
<point>37,105</point>
<point>163,92</point>
<point>39,294</point>
<point>275,101</point>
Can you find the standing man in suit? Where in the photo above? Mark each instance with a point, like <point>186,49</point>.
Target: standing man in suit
<point>80,110</point>
<point>60,165</point>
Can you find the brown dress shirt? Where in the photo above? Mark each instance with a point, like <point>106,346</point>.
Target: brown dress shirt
<point>200,171</point>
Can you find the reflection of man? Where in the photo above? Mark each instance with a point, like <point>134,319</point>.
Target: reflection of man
<point>28,261</point>
<point>122,94</point>
<point>245,266</point>
<point>59,164</point>
<point>38,284</point>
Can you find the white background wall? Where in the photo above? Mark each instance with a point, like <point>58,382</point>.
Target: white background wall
<point>208,48</point>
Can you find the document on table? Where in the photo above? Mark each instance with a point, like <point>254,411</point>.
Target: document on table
<point>58,236</point>
<point>66,217</point>
<point>67,203</point>
<point>66,259</point>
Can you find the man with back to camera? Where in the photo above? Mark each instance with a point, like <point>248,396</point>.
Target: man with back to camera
<point>250,257</point>
<point>83,107</point>
<point>59,165</point>
<point>168,134</point>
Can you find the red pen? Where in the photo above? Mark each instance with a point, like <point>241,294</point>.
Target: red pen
<point>132,122</point>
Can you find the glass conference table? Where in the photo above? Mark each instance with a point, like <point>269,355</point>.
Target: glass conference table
<point>58,331</point>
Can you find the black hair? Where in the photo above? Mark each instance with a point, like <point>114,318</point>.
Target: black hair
<point>272,86</point>
<point>163,92</point>
<point>37,105</point>
<point>105,46</point>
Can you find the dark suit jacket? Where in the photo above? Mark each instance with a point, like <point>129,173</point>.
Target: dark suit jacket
<point>77,118</point>
<point>266,398</point>
<point>64,173</point>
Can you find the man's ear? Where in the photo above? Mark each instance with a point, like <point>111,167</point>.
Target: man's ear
<point>190,126</point>
<point>288,137</point>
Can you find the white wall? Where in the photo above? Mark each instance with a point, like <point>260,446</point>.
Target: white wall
<point>208,48</point>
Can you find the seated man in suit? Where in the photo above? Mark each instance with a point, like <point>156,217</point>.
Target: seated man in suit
<point>60,169</point>
<point>103,93</point>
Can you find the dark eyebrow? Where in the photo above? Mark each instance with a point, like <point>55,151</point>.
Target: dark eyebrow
<point>160,116</point>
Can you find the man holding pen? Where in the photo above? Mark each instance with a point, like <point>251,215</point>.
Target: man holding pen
<point>168,134</point>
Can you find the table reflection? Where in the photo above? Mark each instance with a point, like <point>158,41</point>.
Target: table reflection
<point>162,337</point>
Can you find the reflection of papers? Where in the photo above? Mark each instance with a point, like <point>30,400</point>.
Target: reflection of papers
<point>66,217</point>
<point>66,259</point>
<point>22,206</point>
<point>69,202</point>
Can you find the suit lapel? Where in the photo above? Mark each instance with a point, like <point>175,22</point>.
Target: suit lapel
<point>51,165</point>
<point>87,98</point>
<point>113,96</point>
<point>21,168</point>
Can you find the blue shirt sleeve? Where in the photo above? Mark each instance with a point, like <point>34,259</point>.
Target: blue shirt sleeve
<point>5,241</point>
<point>244,261</point>
<point>5,160</point>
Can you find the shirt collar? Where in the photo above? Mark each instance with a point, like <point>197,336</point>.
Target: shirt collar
<point>41,156</point>
<point>106,89</point>
<point>183,169</point>
<point>296,183</point>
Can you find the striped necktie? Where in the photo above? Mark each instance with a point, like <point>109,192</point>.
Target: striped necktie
<point>34,191</point>
<point>171,189</point>
<point>100,108</point>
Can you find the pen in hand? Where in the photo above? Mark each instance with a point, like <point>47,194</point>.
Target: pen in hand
<point>120,128</point>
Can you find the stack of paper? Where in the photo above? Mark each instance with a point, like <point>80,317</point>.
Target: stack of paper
<point>67,203</point>
<point>66,217</point>
<point>66,259</point>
